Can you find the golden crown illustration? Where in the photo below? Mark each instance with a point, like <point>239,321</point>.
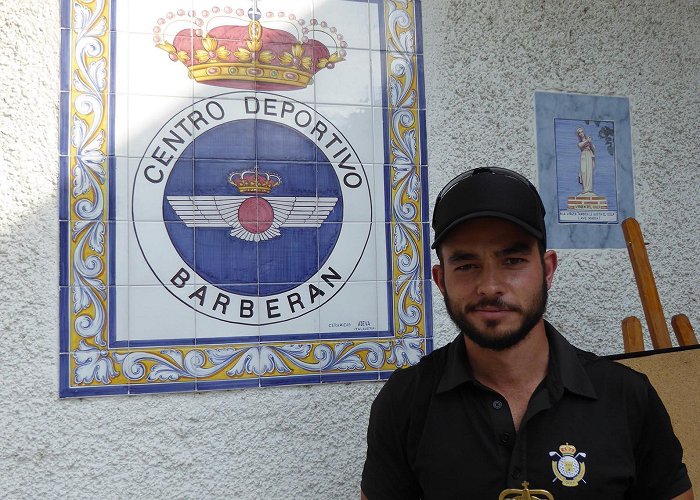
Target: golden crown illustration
<point>232,47</point>
<point>249,181</point>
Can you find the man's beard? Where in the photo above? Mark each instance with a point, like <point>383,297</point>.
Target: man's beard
<point>531,316</point>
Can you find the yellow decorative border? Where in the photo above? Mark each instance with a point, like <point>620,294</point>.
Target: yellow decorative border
<point>88,172</point>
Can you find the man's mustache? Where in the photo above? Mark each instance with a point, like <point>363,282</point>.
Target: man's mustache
<point>492,303</point>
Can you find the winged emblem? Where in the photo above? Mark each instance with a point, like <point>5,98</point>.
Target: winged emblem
<point>252,218</point>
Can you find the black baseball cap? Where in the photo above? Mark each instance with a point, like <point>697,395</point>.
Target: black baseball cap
<point>489,192</point>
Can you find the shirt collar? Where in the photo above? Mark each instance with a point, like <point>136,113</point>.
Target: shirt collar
<point>457,369</point>
<point>565,365</point>
<point>565,368</point>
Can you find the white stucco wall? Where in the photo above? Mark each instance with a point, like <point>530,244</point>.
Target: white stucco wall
<point>483,61</point>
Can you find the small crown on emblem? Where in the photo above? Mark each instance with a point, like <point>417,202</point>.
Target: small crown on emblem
<point>249,181</point>
<point>567,449</point>
<point>232,47</point>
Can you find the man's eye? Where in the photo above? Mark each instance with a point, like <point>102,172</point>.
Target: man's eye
<point>466,267</point>
<point>512,261</point>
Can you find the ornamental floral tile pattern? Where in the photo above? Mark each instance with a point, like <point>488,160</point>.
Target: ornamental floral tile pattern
<point>243,194</point>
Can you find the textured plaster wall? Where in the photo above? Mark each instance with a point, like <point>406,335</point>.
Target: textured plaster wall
<point>483,61</point>
<point>484,64</point>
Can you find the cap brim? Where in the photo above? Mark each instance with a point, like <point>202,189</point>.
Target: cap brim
<point>524,225</point>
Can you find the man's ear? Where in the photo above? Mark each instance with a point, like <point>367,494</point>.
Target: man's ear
<point>439,277</point>
<point>550,266</point>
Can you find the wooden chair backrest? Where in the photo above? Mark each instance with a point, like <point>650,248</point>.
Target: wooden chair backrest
<point>675,374</point>
<point>632,336</point>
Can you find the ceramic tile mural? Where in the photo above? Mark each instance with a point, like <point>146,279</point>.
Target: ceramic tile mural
<point>243,194</point>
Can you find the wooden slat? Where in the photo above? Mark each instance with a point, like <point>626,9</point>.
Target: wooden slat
<point>632,335</point>
<point>683,330</point>
<point>648,293</point>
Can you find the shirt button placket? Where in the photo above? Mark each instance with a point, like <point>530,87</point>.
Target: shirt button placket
<point>516,473</point>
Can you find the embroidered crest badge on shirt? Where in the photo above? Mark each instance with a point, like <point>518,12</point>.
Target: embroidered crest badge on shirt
<point>568,466</point>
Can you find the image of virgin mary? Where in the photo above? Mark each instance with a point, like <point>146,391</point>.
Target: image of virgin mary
<point>587,165</point>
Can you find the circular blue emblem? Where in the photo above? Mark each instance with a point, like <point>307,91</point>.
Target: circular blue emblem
<point>250,262</point>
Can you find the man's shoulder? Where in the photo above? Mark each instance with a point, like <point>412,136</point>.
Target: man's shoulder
<point>608,374</point>
<point>430,366</point>
<point>418,381</point>
<point>599,370</point>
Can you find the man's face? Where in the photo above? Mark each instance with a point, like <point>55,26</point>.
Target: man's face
<point>494,281</point>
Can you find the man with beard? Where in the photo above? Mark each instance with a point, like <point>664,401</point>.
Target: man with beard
<point>510,404</point>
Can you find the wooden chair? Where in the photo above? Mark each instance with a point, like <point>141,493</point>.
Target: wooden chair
<point>653,312</point>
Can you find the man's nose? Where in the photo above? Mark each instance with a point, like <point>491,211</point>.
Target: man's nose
<point>490,281</point>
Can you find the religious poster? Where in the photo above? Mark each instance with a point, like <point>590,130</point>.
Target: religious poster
<point>585,168</point>
<point>243,194</point>
<point>585,150</point>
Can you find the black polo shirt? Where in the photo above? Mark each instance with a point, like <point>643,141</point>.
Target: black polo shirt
<point>593,429</point>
